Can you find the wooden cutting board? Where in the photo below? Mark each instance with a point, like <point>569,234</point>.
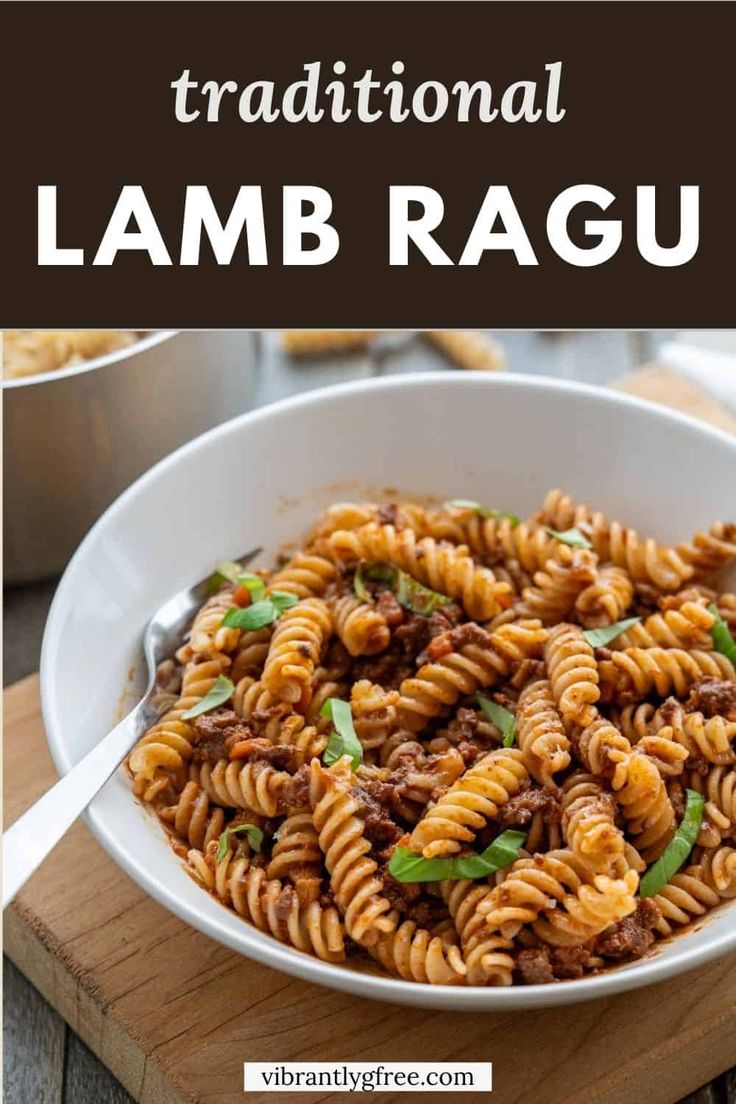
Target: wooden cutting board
<point>174,1015</point>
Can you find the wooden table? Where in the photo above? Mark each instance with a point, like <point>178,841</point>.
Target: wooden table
<point>45,1063</point>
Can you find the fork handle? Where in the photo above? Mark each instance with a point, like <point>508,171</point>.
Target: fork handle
<point>34,834</point>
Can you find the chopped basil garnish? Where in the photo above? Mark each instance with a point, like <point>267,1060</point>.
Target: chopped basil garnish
<point>482,511</point>
<point>220,692</point>
<point>260,613</point>
<point>407,866</point>
<point>677,850</point>
<point>598,638</point>
<point>359,586</point>
<point>409,593</point>
<point>254,583</point>
<point>573,537</point>
<point>231,572</point>
<point>723,642</point>
<point>343,740</point>
<point>502,718</point>
<point>254,834</point>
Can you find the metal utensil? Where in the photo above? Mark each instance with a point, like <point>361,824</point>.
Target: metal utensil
<point>27,842</point>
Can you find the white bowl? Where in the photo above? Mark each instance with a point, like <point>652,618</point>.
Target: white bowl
<point>260,479</point>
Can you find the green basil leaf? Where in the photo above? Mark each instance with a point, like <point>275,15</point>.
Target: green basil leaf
<point>677,850</point>
<point>344,740</point>
<point>260,613</point>
<point>573,537</point>
<point>282,600</point>
<point>359,585</point>
<point>502,718</point>
<point>409,593</point>
<point>254,583</point>
<point>407,866</point>
<point>598,638</point>
<point>482,511</point>
<point>224,573</point>
<point>418,598</point>
<point>723,642</point>
<point>232,572</point>
<point>219,693</point>
<point>252,617</point>
<point>254,834</point>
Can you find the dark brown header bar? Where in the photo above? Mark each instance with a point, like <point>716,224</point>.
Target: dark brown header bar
<point>368,164</point>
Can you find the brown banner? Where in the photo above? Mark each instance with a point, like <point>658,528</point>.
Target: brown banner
<point>618,96</point>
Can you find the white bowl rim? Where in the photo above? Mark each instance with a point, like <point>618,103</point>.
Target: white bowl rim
<point>646,971</point>
<point>138,346</point>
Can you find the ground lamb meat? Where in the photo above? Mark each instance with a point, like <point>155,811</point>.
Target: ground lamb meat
<point>389,608</point>
<point>413,636</point>
<point>295,794</point>
<point>375,799</point>
<point>541,965</point>
<point>533,966</point>
<point>712,697</point>
<point>279,756</point>
<point>388,669</point>
<point>519,809</point>
<point>633,935</point>
<point>452,640</point>
<point>215,734</point>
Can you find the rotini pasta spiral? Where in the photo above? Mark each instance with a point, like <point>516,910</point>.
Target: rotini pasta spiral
<point>209,637</point>
<point>719,788</point>
<point>296,646</point>
<point>167,746</point>
<point>374,712</point>
<point>442,567</point>
<point>307,575</point>
<point>635,673</point>
<point>590,910</point>
<point>710,738</point>
<point>710,552</point>
<point>641,793</point>
<point>530,886</point>
<point>296,853</point>
<point>360,627</point>
<point>607,599</point>
<point>439,684</point>
<point>194,818</point>
<point>493,539</point>
<point>486,954</point>
<point>353,875</point>
<point>589,823</point>
<point>256,786</point>
<point>645,561</point>
<point>572,673</point>
<point>558,585</point>
<point>469,803</point>
<point>686,627</point>
<point>416,955</point>
<point>718,866</point>
<point>685,897</point>
<point>271,907</point>
<point>540,733</point>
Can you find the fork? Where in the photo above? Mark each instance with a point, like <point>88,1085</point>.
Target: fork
<point>34,834</point>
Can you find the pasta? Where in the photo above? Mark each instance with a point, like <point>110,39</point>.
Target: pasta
<point>468,349</point>
<point>444,754</point>
<point>31,352</point>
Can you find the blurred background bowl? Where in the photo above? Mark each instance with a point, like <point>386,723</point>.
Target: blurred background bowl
<point>75,438</point>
